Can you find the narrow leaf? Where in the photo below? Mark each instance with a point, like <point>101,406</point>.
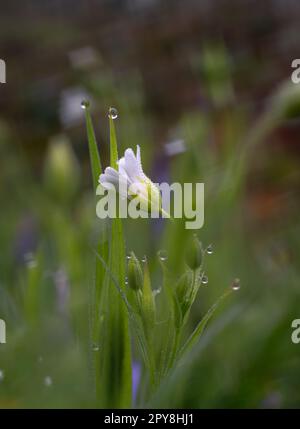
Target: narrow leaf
<point>101,284</point>
<point>113,144</point>
<point>148,304</point>
<point>194,337</point>
<point>93,148</point>
<point>121,383</point>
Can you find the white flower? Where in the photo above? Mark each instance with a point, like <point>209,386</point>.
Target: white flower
<point>131,182</point>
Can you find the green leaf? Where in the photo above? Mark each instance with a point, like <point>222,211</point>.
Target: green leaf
<point>135,318</point>
<point>32,298</point>
<point>148,304</point>
<point>113,144</point>
<point>196,334</point>
<point>174,321</point>
<point>93,148</point>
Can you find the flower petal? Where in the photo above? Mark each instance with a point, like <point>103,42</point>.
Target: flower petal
<point>131,165</point>
<point>138,158</point>
<point>110,176</point>
<point>107,185</point>
<point>122,169</point>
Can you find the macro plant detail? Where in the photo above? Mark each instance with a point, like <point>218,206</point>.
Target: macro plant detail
<point>150,251</point>
<point>130,181</point>
<point>126,304</point>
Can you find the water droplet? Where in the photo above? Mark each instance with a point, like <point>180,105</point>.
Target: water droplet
<point>128,257</point>
<point>156,292</point>
<point>144,259</point>
<point>1,375</point>
<point>210,250</point>
<point>85,104</point>
<point>204,280</point>
<point>126,281</point>
<point>236,284</point>
<point>112,113</point>
<point>95,347</point>
<point>48,381</point>
<point>162,254</point>
<point>30,261</point>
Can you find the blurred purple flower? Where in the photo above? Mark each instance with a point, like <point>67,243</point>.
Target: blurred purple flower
<point>26,238</point>
<point>136,377</point>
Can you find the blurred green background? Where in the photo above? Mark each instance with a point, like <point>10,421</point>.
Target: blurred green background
<point>204,88</point>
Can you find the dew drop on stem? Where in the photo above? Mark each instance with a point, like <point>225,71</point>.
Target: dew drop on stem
<point>48,381</point>
<point>30,260</point>
<point>162,254</point>
<point>95,347</point>
<point>112,113</point>
<point>85,104</point>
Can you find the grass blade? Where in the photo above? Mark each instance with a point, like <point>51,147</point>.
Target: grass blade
<point>101,283</point>
<point>93,147</point>
<point>121,363</point>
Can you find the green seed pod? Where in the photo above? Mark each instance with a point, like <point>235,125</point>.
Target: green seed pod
<point>182,297</point>
<point>135,274</point>
<point>194,254</point>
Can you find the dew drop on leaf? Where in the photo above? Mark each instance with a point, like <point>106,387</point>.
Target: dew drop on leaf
<point>162,254</point>
<point>210,250</point>
<point>236,284</point>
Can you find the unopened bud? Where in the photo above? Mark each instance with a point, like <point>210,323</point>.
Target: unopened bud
<point>194,254</point>
<point>135,274</point>
<point>184,286</point>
